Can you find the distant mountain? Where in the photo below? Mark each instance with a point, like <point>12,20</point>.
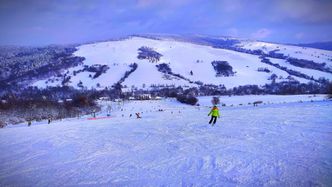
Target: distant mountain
<point>318,45</point>
<point>150,62</point>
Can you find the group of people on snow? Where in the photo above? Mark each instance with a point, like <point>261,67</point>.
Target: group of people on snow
<point>214,113</point>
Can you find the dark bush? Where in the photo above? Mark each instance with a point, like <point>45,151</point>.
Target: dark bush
<point>308,64</point>
<point>187,99</point>
<point>148,53</point>
<point>164,68</point>
<point>133,68</point>
<point>222,68</point>
<point>263,70</point>
<point>98,69</point>
<point>290,71</point>
<point>329,90</point>
<point>82,101</point>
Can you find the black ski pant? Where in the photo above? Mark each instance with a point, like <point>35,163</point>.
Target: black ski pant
<point>214,119</point>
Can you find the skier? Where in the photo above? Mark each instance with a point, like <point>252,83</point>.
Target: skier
<point>214,114</point>
<point>94,113</point>
<point>138,115</point>
<point>109,109</point>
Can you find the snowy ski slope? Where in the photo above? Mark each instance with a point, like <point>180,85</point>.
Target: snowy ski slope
<point>182,58</point>
<point>284,144</point>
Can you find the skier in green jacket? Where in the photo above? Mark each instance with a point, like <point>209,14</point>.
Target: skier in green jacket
<point>214,114</point>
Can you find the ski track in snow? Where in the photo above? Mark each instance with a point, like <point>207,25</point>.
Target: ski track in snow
<point>288,144</point>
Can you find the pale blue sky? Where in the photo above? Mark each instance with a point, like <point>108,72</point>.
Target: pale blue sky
<point>40,22</point>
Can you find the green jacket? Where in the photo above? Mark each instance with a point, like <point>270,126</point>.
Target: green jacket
<point>214,112</point>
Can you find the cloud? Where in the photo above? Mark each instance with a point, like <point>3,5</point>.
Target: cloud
<point>145,3</point>
<point>261,33</point>
<point>163,3</point>
<point>90,19</point>
<point>305,10</point>
<point>232,32</point>
<point>299,35</point>
<point>232,6</point>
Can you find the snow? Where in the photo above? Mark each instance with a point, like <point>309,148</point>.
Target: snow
<point>283,144</point>
<point>182,58</point>
<point>266,99</point>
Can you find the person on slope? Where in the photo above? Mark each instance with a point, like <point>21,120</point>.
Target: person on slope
<point>214,114</point>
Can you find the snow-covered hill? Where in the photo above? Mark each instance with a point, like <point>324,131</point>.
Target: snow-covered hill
<point>190,64</point>
<point>316,55</point>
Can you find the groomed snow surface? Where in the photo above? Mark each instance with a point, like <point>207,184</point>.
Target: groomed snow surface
<point>279,144</point>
